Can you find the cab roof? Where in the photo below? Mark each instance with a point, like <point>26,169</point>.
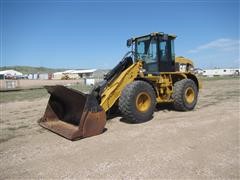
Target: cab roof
<point>156,34</point>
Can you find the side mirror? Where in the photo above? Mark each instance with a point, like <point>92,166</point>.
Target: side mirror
<point>129,42</point>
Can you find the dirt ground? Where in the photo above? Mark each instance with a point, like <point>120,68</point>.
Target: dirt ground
<point>203,143</point>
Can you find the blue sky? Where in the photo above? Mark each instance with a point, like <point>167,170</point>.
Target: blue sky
<point>93,34</point>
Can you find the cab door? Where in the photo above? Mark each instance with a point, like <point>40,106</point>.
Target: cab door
<point>166,55</point>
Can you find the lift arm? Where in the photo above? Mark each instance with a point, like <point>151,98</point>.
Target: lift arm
<point>113,90</point>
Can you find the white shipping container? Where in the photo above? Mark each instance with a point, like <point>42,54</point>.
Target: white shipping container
<point>35,76</point>
<point>220,72</point>
<point>32,76</point>
<point>43,76</point>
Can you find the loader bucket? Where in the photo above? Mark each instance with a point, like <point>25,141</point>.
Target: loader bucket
<point>73,114</point>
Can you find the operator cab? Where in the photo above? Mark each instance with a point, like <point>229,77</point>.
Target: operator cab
<point>156,50</point>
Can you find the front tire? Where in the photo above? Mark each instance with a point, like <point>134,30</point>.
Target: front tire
<point>185,94</point>
<point>137,102</point>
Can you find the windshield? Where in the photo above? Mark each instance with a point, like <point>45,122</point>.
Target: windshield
<point>146,50</point>
<point>141,48</point>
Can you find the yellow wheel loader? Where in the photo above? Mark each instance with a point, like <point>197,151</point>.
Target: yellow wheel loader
<point>146,76</point>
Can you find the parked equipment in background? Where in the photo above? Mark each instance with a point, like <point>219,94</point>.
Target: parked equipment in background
<point>145,76</point>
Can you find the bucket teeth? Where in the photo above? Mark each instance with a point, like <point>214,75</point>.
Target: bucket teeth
<point>73,114</point>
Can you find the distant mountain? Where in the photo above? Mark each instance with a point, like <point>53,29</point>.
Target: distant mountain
<point>30,69</point>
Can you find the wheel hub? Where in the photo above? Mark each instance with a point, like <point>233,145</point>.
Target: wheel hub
<point>143,102</point>
<point>189,95</point>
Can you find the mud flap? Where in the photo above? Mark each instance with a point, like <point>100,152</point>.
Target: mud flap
<point>73,114</point>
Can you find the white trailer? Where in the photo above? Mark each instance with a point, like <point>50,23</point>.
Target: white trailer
<point>221,72</point>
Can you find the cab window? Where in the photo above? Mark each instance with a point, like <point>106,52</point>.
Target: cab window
<point>163,51</point>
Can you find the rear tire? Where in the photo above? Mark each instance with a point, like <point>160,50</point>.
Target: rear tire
<point>185,94</point>
<point>137,102</point>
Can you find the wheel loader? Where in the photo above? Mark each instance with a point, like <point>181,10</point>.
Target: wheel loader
<point>146,76</point>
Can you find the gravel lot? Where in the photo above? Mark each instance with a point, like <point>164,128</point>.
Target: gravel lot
<point>203,143</point>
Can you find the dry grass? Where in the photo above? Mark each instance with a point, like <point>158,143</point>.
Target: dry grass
<point>31,94</point>
<point>23,95</point>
